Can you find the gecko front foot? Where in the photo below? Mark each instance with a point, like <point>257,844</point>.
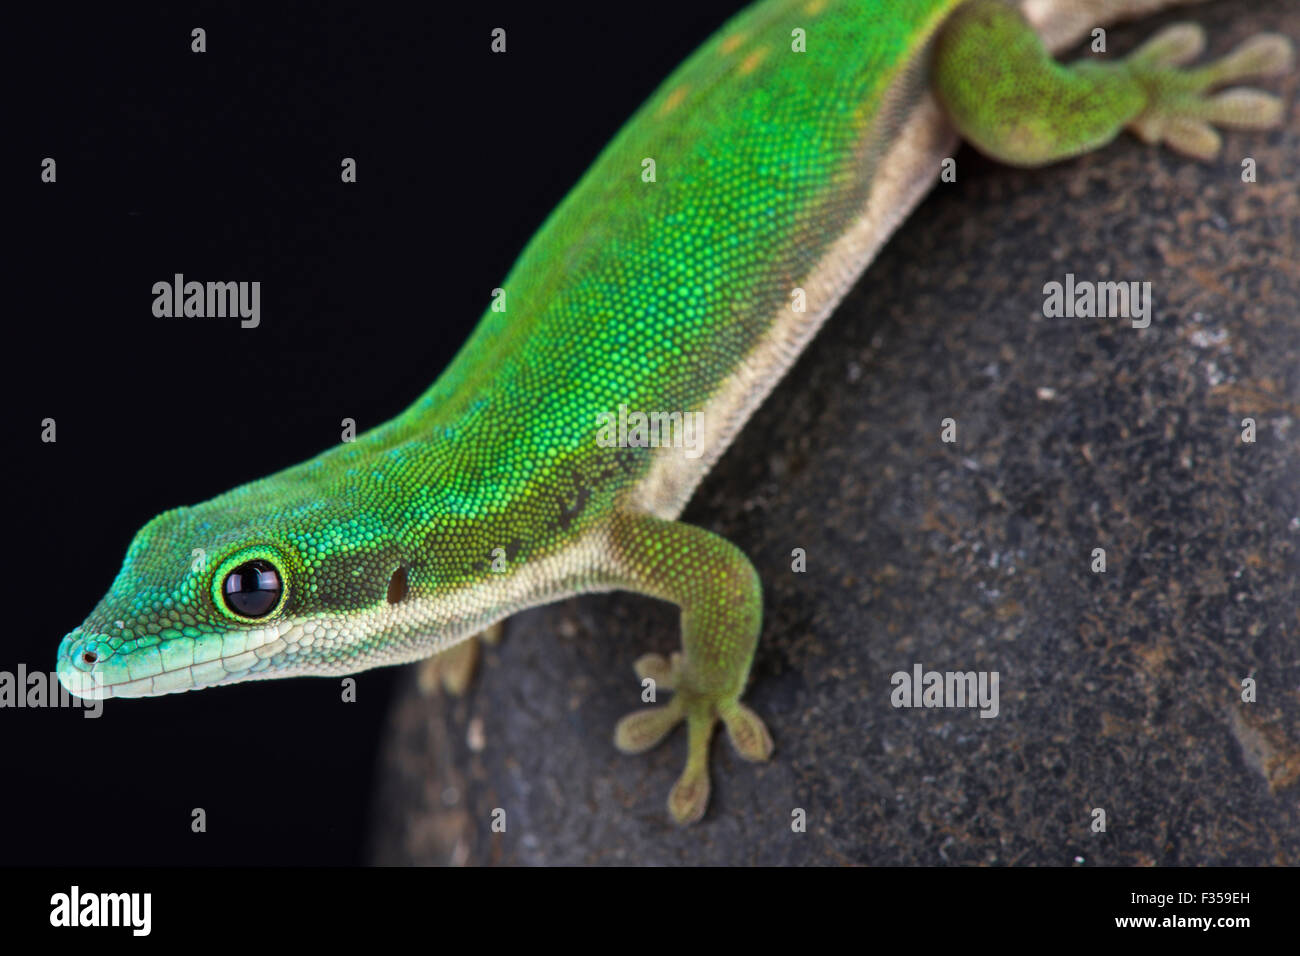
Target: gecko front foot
<point>641,730</point>
<point>453,669</point>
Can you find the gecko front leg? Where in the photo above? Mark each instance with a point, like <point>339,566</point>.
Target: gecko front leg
<point>453,669</point>
<point>721,599</point>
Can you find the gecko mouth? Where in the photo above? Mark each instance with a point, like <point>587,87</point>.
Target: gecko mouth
<point>91,667</point>
<point>100,659</point>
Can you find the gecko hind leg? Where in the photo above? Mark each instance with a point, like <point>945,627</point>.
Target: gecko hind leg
<point>1006,94</point>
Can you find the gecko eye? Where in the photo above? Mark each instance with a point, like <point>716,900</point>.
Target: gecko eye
<point>253,589</point>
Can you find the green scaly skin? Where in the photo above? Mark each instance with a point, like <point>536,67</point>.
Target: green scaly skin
<point>775,171</point>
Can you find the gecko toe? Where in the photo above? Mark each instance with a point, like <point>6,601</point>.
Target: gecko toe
<point>690,795</point>
<point>1243,108</point>
<point>748,733</point>
<point>642,730</point>
<point>1262,55</point>
<point>662,670</point>
<point>1173,46</point>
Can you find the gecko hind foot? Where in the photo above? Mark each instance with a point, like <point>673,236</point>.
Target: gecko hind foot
<point>1009,97</point>
<point>1183,110</point>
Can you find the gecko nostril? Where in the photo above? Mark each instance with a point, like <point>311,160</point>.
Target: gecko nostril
<point>90,657</point>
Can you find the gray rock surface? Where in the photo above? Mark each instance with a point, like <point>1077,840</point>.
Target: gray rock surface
<point>1119,691</point>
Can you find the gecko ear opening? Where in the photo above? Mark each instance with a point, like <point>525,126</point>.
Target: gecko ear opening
<point>397,586</point>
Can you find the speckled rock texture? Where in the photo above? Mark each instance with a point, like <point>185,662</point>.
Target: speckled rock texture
<point>1118,690</point>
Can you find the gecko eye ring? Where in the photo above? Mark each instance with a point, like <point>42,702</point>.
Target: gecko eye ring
<point>253,589</point>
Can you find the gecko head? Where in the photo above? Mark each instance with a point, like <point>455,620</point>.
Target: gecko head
<point>235,590</point>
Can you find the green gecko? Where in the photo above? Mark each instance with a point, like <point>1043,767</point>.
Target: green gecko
<point>768,169</point>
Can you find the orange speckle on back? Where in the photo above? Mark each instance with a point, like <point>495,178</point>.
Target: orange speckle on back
<point>730,44</point>
<point>750,63</point>
<point>672,101</point>
<point>815,7</point>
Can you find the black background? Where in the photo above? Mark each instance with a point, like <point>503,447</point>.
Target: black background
<point>225,165</point>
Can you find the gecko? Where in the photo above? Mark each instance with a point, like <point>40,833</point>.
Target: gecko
<point>676,282</point>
